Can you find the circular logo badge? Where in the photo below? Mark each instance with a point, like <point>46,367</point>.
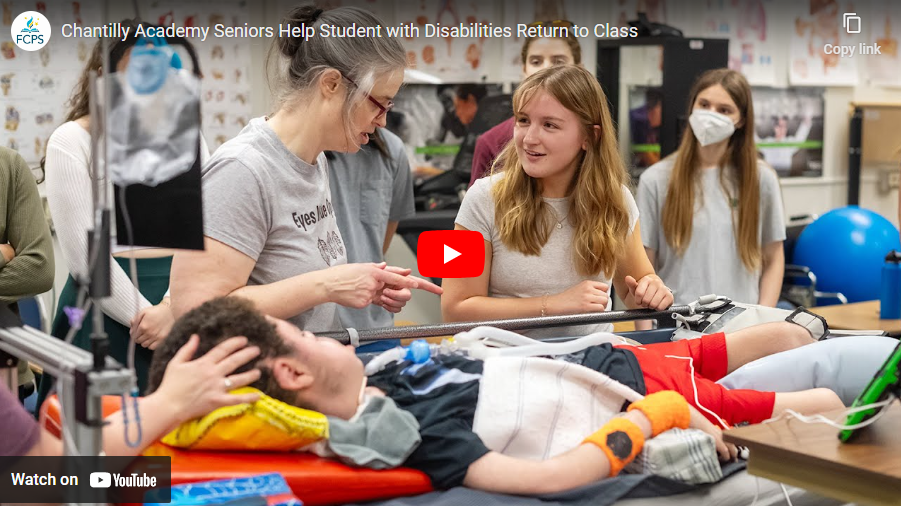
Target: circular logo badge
<point>31,30</point>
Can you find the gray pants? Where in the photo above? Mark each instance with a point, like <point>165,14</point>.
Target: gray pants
<point>844,365</point>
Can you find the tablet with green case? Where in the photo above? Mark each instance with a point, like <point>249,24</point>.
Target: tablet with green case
<point>885,383</point>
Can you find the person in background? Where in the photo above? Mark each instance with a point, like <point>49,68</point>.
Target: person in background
<point>537,53</point>
<point>466,98</point>
<point>26,248</point>
<point>644,125</point>
<point>143,316</point>
<point>712,219</point>
<point>372,190</point>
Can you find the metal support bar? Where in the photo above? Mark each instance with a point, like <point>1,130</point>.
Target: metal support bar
<point>855,155</point>
<point>81,405</point>
<point>445,329</point>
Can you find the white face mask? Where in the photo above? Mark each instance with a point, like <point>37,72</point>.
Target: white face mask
<point>710,127</point>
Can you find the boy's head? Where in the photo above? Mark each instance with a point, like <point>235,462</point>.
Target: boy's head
<point>296,367</point>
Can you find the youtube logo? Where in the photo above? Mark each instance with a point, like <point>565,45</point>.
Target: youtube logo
<point>450,254</point>
<point>101,480</point>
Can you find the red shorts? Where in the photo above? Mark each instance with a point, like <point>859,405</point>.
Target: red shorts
<point>663,369</point>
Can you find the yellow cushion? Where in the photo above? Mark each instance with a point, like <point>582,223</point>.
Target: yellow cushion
<point>267,424</point>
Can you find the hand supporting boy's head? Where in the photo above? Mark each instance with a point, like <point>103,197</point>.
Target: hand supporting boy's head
<point>296,367</point>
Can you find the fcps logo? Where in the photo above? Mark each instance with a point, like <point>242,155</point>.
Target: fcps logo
<point>30,30</point>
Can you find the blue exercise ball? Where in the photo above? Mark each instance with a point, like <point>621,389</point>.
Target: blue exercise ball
<point>845,248</point>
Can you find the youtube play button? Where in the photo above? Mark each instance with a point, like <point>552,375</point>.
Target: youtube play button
<point>450,254</point>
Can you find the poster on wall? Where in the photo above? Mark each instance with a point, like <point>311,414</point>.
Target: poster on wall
<point>885,29</point>
<point>225,89</point>
<point>438,50</point>
<point>36,85</point>
<point>788,129</point>
<point>818,24</point>
<point>747,24</point>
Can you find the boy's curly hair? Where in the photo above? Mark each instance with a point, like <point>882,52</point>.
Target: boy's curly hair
<point>215,321</point>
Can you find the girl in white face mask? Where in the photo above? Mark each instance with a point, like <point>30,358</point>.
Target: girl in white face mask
<point>711,213</point>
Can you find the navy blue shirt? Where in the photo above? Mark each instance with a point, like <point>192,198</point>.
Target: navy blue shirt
<point>443,393</point>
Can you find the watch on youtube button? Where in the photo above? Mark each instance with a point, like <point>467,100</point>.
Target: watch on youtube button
<point>450,254</point>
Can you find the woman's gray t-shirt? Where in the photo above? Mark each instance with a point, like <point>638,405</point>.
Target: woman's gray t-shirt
<point>514,274</point>
<point>711,262</point>
<point>264,201</point>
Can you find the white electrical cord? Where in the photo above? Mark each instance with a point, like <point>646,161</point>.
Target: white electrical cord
<point>790,413</point>
<point>785,493</point>
<point>694,386</point>
<point>133,268</point>
<point>756,490</point>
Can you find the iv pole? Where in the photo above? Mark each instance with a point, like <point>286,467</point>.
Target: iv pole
<point>83,377</point>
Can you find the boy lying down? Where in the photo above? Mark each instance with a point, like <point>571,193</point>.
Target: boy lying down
<point>444,395</point>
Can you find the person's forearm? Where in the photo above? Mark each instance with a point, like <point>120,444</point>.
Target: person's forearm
<point>289,297</point>
<point>771,283</point>
<point>494,308</point>
<point>158,417</point>
<point>28,274</point>
<point>583,465</point>
<point>69,188</point>
<point>586,463</point>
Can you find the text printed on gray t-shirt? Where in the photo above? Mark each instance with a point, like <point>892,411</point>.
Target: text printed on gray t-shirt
<point>264,201</point>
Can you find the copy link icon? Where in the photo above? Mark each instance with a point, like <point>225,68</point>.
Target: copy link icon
<point>851,22</point>
<point>101,480</point>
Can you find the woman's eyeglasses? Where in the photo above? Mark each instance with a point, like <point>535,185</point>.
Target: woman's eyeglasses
<point>383,109</point>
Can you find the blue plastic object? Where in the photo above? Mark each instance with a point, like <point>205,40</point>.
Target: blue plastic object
<point>845,248</point>
<point>418,352</point>
<point>148,66</point>
<point>890,296</point>
<point>242,490</point>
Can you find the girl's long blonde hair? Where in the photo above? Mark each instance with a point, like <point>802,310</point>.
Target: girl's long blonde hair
<point>739,176</point>
<point>598,208</point>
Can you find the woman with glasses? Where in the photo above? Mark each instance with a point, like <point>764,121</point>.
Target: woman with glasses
<point>537,53</point>
<point>269,220</point>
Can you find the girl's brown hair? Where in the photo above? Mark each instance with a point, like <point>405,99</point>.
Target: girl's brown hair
<point>739,175</point>
<point>598,209</point>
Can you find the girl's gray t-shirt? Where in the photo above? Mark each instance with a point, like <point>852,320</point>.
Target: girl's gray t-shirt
<point>264,201</point>
<point>514,274</point>
<point>711,262</point>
